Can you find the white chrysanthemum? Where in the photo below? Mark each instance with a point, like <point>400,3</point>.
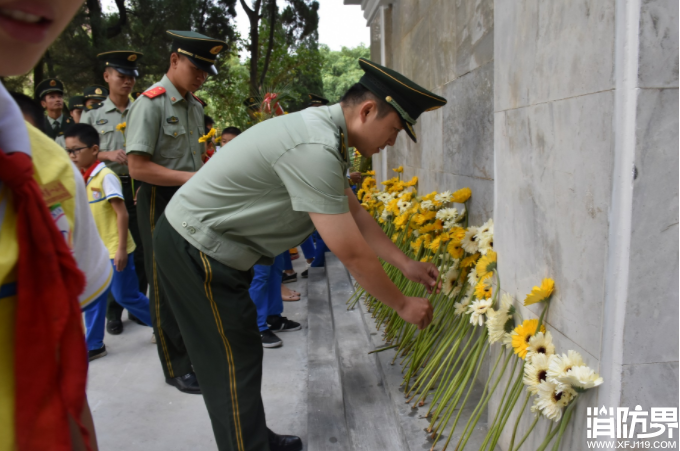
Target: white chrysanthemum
<point>477,310</point>
<point>385,215</point>
<point>540,344</point>
<point>484,242</point>
<point>581,378</point>
<point>416,233</point>
<point>462,306</point>
<point>495,322</point>
<point>552,398</point>
<point>536,372</point>
<point>450,279</point>
<point>469,242</point>
<point>443,197</point>
<point>560,364</point>
<point>403,206</point>
<point>461,215</point>
<point>447,214</point>
<point>427,205</point>
<point>448,225</point>
<point>487,227</point>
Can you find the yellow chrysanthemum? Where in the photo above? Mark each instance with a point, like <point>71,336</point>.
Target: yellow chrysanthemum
<point>207,136</point>
<point>483,289</point>
<point>399,170</point>
<point>413,181</point>
<point>522,334</point>
<point>462,195</point>
<point>540,294</point>
<point>406,197</point>
<point>486,264</point>
<point>121,127</point>
<point>370,172</point>
<point>395,236</point>
<point>470,261</point>
<point>454,250</point>
<point>430,196</point>
<point>401,220</point>
<point>457,234</point>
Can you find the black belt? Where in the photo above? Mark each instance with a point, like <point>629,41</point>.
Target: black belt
<point>125,178</point>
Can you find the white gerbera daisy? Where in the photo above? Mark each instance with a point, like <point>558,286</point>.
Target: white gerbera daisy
<point>426,205</point>
<point>487,227</point>
<point>495,322</point>
<point>560,364</point>
<point>472,277</point>
<point>469,242</point>
<point>450,279</point>
<point>448,225</point>
<point>443,197</point>
<point>581,378</point>
<point>385,215</point>
<point>552,398</point>
<point>484,242</point>
<point>461,215</point>
<point>447,214</point>
<point>477,310</point>
<point>536,372</point>
<point>462,306</point>
<point>540,344</point>
<point>403,206</point>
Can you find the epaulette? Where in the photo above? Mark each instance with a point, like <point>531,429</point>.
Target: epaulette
<point>198,98</point>
<point>154,92</point>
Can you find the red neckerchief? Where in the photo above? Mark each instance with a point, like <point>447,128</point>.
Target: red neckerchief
<point>50,355</point>
<point>86,174</point>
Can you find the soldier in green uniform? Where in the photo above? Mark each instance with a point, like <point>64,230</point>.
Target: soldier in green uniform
<point>120,73</point>
<point>317,100</point>
<point>163,129</point>
<point>76,105</point>
<point>94,95</point>
<point>262,194</point>
<point>50,92</point>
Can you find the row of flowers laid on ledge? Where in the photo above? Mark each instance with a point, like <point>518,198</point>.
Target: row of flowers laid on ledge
<point>441,362</point>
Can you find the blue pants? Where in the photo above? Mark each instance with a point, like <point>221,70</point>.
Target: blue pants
<point>125,289</point>
<point>287,261</point>
<point>320,252</point>
<point>265,291</point>
<point>308,248</point>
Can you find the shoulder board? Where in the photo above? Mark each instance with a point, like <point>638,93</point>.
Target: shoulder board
<point>154,92</point>
<point>198,99</point>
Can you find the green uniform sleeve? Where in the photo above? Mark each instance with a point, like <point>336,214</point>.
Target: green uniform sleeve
<point>87,117</point>
<point>143,125</point>
<point>314,178</point>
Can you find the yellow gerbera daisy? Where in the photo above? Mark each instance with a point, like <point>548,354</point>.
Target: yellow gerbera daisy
<point>457,234</point>
<point>462,195</point>
<point>483,289</point>
<point>399,170</point>
<point>121,127</point>
<point>455,250</point>
<point>540,294</point>
<point>207,136</point>
<point>486,264</point>
<point>522,334</point>
<point>470,261</point>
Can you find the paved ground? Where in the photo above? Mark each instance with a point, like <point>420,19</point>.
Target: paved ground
<point>134,409</point>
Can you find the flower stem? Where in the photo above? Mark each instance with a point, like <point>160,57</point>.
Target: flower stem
<point>519,417</point>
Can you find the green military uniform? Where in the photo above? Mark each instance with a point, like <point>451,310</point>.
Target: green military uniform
<point>317,100</point>
<point>105,118</point>
<point>249,204</point>
<point>166,126</point>
<point>97,93</point>
<point>54,128</point>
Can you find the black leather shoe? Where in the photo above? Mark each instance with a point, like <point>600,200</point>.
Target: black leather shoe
<point>114,326</point>
<point>283,442</point>
<point>186,384</point>
<point>134,319</point>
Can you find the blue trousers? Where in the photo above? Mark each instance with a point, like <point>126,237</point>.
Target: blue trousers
<point>265,291</point>
<point>125,289</point>
<point>287,261</point>
<point>308,248</point>
<point>320,251</point>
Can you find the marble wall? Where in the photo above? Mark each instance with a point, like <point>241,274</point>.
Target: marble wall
<point>562,118</point>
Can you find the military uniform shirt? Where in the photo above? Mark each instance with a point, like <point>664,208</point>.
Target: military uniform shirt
<point>105,119</point>
<point>167,128</point>
<point>251,201</point>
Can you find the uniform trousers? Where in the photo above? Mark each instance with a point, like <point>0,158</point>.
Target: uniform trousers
<point>218,321</point>
<point>125,288</point>
<point>308,248</point>
<point>319,252</point>
<point>265,291</point>
<point>115,310</point>
<point>151,201</point>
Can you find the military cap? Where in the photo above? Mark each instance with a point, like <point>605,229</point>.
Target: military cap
<point>124,61</point>
<point>315,100</point>
<point>409,99</point>
<point>200,49</point>
<point>251,104</point>
<point>76,103</point>
<point>95,92</point>
<point>48,85</point>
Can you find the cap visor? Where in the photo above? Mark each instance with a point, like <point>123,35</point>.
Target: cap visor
<point>203,65</point>
<point>127,71</point>
<point>409,130</point>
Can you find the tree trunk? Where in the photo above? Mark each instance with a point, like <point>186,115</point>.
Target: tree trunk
<point>273,9</point>
<point>254,18</point>
<point>38,72</point>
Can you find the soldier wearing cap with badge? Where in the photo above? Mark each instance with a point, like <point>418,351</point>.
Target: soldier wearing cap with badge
<point>76,105</point>
<point>94,95</point>
<point>163,128</point>
<point>50,92</point>
<point>316,100</point>
<point>261,195</point>
<point>120,73</point>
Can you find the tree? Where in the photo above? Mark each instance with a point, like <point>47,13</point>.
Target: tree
<point>341,70</point>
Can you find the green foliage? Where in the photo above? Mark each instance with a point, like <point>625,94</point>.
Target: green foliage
<point>341,70</point>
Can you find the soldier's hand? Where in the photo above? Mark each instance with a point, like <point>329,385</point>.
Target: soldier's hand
<point>355,177</point>
<point>416,311</point>
<point>118,156</point>
<point>422,272</point>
